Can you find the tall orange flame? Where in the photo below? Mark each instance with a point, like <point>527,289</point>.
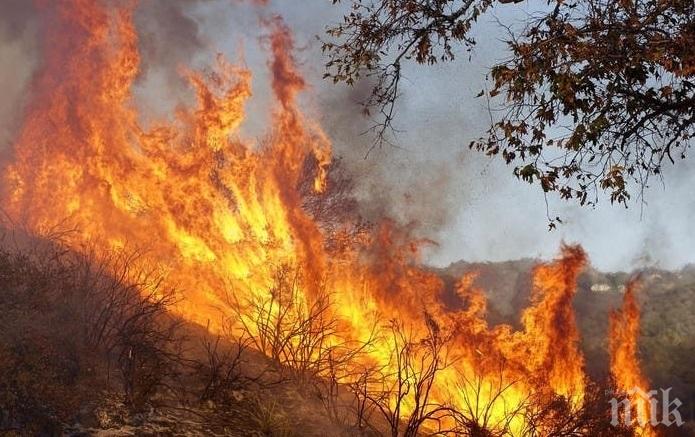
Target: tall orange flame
<point>625,368</point>
<point>550,325</point>
<point>206,206</point>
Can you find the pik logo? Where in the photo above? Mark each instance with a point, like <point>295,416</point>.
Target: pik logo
<point>642,408</point>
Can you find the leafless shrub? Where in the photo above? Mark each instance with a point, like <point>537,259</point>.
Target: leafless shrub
<point>301,336</point>
<point>482,410</point>
<point>222,369</point>
<point>298,333</point>
<point>361,405</point>
<point>409,379</point>
<point>41,365</point>
<point>557,416</point>
<point>339,386</point>
<point>125,308</point>
<point>75,325</point>
<point>269,418</point>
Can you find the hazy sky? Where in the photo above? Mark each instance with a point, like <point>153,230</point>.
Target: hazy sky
<point>472,205</point>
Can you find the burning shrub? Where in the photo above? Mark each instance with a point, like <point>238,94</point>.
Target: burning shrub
<point>297,332</point>
<point>557,416</point>
<point>480,413</point>
<point>401,391</point>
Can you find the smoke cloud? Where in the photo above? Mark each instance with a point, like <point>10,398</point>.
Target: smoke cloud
<point>170,39</point>
<point>18,51</point>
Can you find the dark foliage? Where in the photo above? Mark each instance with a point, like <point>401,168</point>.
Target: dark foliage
<point>597,93</point>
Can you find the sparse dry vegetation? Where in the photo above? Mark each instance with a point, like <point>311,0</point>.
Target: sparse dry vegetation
<point>89,341</point>
<point>414,365</point>
<point>74,326</point>
<point>298,336</point>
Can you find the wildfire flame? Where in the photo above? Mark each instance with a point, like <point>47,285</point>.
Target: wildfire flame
<point>624,332</point>
<point>222,214</point>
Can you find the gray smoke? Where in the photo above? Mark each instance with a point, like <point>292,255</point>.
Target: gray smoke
<point>170,40</point>
<point>18,57</point>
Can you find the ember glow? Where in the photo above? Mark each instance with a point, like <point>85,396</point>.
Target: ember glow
<point>222,215</point>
